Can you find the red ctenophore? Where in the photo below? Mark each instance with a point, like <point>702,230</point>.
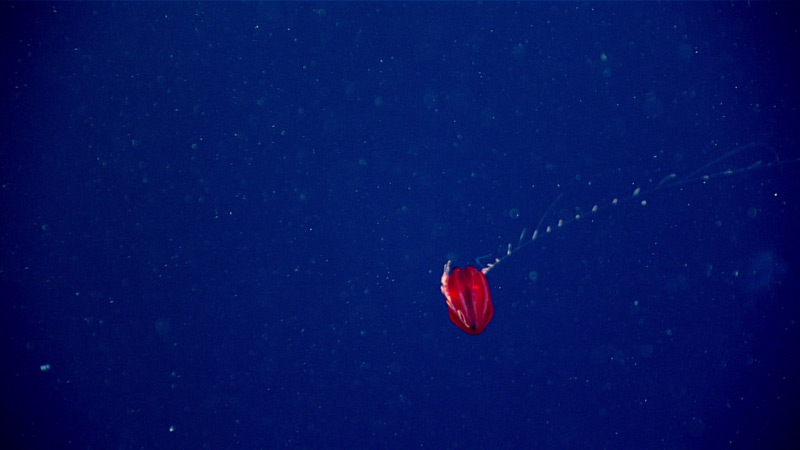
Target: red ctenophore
<point>468,298</point>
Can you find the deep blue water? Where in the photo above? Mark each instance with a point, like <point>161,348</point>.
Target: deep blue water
<point>224,224</point>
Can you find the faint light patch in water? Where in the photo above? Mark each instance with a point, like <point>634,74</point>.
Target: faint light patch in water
<point>162,326</point>
<point>765,271</point>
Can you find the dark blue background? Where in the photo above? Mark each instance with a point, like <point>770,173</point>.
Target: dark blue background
<point>223,225</point>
